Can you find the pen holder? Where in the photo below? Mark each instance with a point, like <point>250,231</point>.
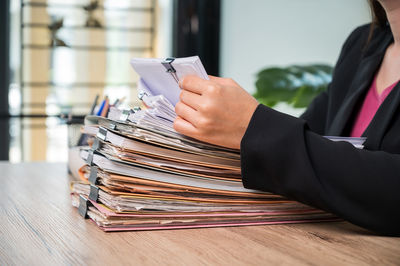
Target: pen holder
<point>75,140</point>
<point>74,134</point>
<point>75,137</point>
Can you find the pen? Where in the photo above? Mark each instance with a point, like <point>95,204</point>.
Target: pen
<point>115,103</point>
<point>105,109</point>
<point>101,107</point>
<point>94,104</point>
<point>121,100</point>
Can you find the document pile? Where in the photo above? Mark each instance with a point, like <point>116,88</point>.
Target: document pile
<point>143,175</point>
<point>356,142</point>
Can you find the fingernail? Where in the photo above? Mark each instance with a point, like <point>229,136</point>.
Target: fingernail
<point>180,83</point>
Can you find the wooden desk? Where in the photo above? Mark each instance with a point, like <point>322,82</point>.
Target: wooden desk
<point>39,226</point>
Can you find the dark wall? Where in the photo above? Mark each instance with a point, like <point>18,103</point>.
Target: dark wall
<point>4,78</point>
<point>196,30</point>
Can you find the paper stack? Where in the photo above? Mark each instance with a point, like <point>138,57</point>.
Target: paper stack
<point>143,175</point>
<point>356,142</point>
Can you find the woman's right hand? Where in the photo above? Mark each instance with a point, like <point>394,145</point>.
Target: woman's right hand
<point>216,111</point>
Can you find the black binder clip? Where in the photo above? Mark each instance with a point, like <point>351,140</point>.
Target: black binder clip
<point>94,193</point>
<point>112,126</point>
<point>125,115</point>
<point>141,94</point>
<point>167,63</point>
<point>84,205</point>
<point>102,133</point>
<point>93,175</point>
<point>136,109</point>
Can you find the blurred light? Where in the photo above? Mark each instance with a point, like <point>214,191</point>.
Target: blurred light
<point>14,99</point>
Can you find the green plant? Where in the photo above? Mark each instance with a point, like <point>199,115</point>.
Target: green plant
<point>296,85</point>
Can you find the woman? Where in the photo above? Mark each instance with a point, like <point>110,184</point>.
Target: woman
<point>288,156</point>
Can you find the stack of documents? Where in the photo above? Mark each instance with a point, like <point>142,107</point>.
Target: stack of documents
<point>143,175</point>
<point>356,142</point>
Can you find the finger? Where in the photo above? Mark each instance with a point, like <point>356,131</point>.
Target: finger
<point>186,112</point>
<point>190,98</point>
<point>222,81</point>
<point>184,127</point>
<point>213,78</point>
<point>193,84</point>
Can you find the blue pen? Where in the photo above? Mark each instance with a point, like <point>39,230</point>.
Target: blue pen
<point>101,107</point>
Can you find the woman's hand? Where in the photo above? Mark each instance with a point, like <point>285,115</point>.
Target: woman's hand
<point>216,111</point>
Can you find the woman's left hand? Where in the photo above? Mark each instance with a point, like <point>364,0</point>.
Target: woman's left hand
<point>216,111</point>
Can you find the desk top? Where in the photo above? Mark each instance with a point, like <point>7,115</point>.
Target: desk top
<point>38,225</point>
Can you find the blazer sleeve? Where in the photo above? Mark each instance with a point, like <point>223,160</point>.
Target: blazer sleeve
<point>316,113</point>
<point>280,154</point>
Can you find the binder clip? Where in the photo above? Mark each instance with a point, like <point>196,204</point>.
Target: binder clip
<point>84,205</point>
<point>141,94</point>
<point>136,109</point>
<point>102,133</point>
<point>167,63</point>
<point>89,159</point>
<point>93,175</point>
<point>92,152</point>
<point>94,193</point>
<point>95,145</point>
<point>124,115</point>
<point>112,126</point>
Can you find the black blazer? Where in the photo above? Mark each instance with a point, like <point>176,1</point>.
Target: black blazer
<point>288,156</point>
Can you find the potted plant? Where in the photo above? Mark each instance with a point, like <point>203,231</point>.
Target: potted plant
<point>295,85</point>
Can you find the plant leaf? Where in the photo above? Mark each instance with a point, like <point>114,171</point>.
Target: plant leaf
<point>295,84</point>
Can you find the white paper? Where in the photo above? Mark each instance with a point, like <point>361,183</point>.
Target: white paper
<point>157,81</point>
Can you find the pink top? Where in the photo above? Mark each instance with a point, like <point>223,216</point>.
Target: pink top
<point>368,109</point>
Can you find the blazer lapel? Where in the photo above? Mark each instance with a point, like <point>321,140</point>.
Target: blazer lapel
<point>360,84</point>
<point>379,124</point>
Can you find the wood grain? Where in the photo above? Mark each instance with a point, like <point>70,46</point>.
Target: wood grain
<point>39,226</point>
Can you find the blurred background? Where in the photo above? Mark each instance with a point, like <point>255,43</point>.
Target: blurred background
<point>57,55</point>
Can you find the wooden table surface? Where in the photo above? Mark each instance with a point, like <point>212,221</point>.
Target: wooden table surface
<point>39,226</point>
